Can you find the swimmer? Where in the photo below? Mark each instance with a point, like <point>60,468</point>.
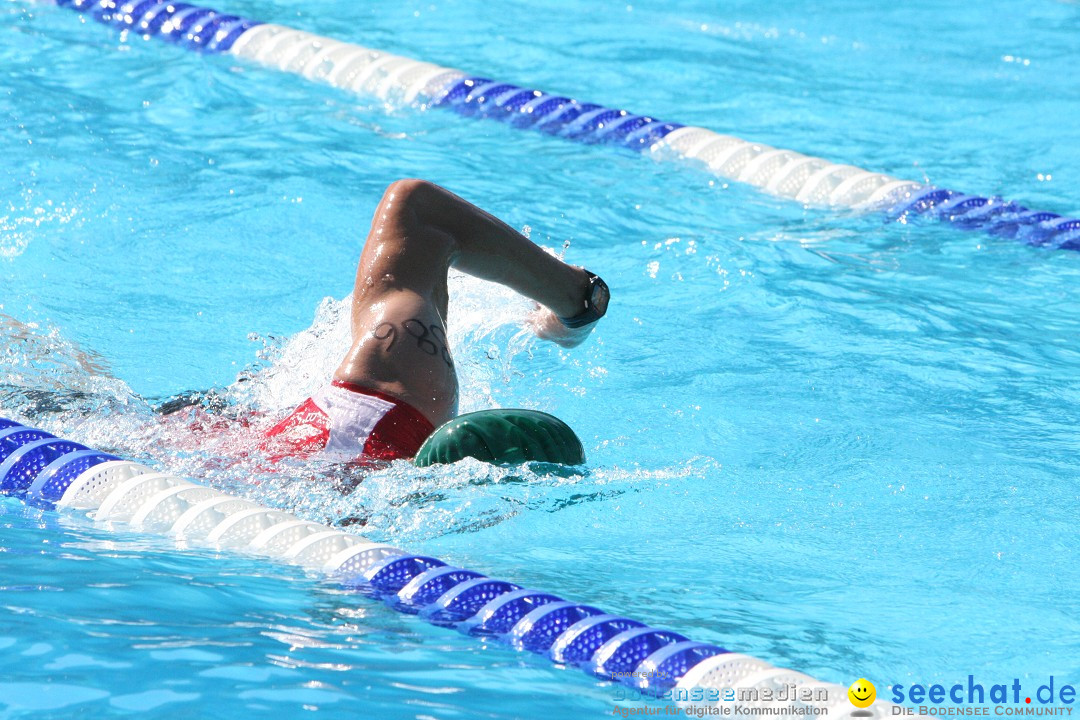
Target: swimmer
<point>397,382</point>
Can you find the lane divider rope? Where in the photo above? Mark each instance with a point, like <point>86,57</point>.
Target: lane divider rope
<point>51,472</point>
<point>400,80</point>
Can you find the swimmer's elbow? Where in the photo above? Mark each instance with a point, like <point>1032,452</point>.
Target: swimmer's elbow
<point>413,190</point>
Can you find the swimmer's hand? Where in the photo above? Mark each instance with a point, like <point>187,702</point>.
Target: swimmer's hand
<point>571,332</point>
<point>548,326</point>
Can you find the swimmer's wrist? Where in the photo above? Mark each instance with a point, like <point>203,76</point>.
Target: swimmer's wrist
<point>594,304</point>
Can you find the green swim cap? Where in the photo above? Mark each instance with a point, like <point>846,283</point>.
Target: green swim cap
<point>503,437</point>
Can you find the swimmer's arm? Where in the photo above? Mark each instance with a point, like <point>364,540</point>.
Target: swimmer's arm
<point>488,248</point>
<point>90,361</point>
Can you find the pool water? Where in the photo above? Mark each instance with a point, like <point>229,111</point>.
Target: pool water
<point>841,444</point>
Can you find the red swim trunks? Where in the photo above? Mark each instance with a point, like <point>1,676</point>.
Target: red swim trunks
<point>347,422</point>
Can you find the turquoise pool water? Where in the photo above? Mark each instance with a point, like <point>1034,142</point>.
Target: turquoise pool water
<point>840,444</point>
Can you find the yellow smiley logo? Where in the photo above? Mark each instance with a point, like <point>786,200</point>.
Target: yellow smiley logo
<point>862,693</point>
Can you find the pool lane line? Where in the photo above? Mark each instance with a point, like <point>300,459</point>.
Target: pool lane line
<point>55,473</point>
<point>400,80</point>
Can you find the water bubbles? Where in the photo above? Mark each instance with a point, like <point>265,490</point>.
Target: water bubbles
<point>1016,59</point>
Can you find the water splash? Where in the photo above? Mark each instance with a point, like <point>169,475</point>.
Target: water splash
<point>216,435</point>
<point>19,223</point>
<point>44,374</point>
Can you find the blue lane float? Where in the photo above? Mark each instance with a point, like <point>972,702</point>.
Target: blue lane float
<point>399,80</point>
<point>45,470</point>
